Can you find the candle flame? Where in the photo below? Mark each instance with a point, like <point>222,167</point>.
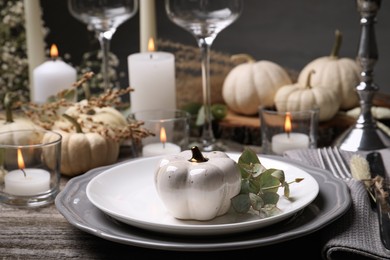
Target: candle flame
<point>21,164</point>
<point>54,51</point>
<point>163,135</point>
<point>151,45</point>
<point>287,123</point>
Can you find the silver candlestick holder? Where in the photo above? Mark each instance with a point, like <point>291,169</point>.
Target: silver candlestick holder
<point>365,134</point>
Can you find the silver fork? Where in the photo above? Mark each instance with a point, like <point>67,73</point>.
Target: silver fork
<point>331,159</point>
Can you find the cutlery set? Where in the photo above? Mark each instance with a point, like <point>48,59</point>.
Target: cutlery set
<point>331,159</point>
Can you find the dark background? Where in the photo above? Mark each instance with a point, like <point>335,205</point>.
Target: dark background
<point>288,32</point>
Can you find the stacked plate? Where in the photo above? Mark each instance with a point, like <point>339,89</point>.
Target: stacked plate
<point>119,203</point>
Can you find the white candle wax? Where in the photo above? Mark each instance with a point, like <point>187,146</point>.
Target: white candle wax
<point>152,76</point>
<point>34,37</point>
<point>36,181</point>
<point>52,77</point>
<point>160,149</point>
<point>283,142</point>
<point>147,17</point>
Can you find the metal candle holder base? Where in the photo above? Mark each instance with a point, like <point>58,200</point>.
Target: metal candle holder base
<point>365,135</point>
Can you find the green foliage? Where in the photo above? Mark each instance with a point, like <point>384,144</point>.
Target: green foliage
<point>259,186</point>
<point>218,112</point>
<point>14,63</point>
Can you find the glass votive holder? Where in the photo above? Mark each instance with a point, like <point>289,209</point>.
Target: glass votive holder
<point>282,131</point>
<point>170,128</point>
<point>30,162</point>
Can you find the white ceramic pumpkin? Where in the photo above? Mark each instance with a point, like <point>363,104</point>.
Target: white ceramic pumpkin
<point>251,84</point>
<point>198,187</point>
<point>340,74</point>
<point>298,97</point>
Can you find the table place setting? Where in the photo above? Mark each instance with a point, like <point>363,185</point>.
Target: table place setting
<point>316,201</point>
<point>85,174</point>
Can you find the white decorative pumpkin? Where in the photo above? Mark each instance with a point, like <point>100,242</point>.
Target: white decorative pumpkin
<point>198,187</point>
<point>340,74</point>
<point>298,97</point>
<point>251,84</point>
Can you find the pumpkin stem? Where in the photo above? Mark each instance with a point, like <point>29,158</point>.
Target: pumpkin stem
<point>8,101</point>
<point>242,56</point>
<point>308,85</point>
<point>337,44</point>
<point>74,122</point>
<point>197,155</point>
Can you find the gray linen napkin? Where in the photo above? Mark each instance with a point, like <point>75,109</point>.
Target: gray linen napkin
<point>355,235</point>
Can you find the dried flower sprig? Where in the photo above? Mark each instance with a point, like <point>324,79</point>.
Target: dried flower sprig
<point>360,170</point>
<point>49,115</point>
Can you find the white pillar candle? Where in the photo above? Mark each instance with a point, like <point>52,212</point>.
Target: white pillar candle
<point>152,76</point>
<point>51,77</point>
<point>35,182</point>
<point>283,142</point>
<point>160,149</point>
<point>34,38</point>
<point>147,23</point>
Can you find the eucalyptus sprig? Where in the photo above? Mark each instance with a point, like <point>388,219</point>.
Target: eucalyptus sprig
<point>259,186</point>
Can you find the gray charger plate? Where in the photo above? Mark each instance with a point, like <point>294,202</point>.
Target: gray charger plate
<point>331,203</point>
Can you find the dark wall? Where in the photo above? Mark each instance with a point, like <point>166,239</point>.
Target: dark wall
<point>288,32</point>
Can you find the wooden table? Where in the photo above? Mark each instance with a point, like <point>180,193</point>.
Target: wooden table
<point>43,233</point>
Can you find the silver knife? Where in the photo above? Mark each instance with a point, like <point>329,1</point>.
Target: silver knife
<point>377,168</point>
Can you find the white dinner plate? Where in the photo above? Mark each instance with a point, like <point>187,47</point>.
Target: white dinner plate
<point>126,192</point>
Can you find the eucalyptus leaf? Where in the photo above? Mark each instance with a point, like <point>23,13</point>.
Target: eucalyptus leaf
<point>287,190</point>
<point>245,186</point>
<point>241,203</point>
<point>269,210</point>
<point>268,181</point>
<point>256,201</point>
<point>259,186</point>
<point>248,156</point>
<point>270,198</point>
<point>278,174</point>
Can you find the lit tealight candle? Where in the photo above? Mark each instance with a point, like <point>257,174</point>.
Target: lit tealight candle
<point>288,140</point>
<point>160,148</point>
<point>51,77</point>
<point>152,76</point>
<point>26,182</point>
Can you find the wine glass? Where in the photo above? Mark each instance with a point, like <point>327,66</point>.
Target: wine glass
<point>204,19</point>
<point>104,16</point>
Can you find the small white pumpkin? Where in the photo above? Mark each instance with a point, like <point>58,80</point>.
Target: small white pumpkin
<point>251,84</point>
<point>81,151</point>
<point>12,123</point>
<point>197,187</point>
<point>298,97</point>
<point>105,115</point>
<point>340,74</point>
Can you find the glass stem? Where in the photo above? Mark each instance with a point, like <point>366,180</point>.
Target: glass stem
<point>104,40</point>
<point>207,133</point>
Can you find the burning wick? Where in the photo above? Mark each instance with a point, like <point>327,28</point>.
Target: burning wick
<point>54,52</point>
<point>163,136</point>
<point>21,162</point>
<point>151,47</point>
<point>287,124</point>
